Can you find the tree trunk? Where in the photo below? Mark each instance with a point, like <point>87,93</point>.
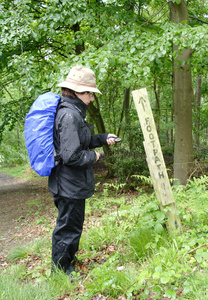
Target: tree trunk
<point>125,109</point>
<point>96,115</point>
<point>125,113</point>
<point>127,117</point>
<point>157,106</point>
<point>171,132</point>
<point>198,104</point>
<point>197,111</point>
<point>182,96</point>
<point>79,48</point>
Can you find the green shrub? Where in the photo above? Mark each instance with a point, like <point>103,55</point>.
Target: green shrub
<point>111,279</point>
<point>13,149</point>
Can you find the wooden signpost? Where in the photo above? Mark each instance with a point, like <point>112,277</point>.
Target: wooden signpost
<point>155,159</point>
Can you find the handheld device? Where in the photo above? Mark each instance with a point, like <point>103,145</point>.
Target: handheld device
<point>117,140</point>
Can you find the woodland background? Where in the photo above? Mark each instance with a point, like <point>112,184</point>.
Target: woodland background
<point>160,45</point>
<point>125,251</point>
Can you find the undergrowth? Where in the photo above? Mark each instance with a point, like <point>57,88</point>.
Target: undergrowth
<point>125,252</point>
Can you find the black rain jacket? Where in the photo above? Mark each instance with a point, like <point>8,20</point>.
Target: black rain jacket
<point>73,177</point>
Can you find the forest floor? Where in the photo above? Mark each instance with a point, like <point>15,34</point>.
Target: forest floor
<point>17,199</point>
<point>21,202</point>
<point>27,213</point>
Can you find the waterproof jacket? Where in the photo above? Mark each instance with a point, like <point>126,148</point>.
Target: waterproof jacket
<point>73,177</point>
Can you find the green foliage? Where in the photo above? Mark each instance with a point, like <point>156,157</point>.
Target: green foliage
<point>129,157</point>
<point>195,286</point>
<point>128,45</point>
<point>144,241</point>
<point>176,1</point>
<point>111,279</point>
<point>128,164</point>
<point>47,38</point>
<point>21,252</point>
<point>128,249</point>
<point>18,171</point>
<point>17,254</point>
<point>195,195</point>
<point>12,286</point>
<point>12,112</point>
<point>13,150</point>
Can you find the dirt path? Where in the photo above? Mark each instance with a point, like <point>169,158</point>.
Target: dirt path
<point>23,204</point>
<point>20,200</point>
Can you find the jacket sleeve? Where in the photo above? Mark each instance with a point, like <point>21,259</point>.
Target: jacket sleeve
<point>98,140</point>
<point>71,151</point>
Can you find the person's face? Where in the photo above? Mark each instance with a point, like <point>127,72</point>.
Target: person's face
<point>86,97</point>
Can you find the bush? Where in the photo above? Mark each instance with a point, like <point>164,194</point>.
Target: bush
<point>13,150</point>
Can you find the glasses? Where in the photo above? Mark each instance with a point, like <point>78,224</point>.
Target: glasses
<point>90,94</point>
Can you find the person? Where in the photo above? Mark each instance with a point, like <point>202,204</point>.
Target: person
<point>72,179</point>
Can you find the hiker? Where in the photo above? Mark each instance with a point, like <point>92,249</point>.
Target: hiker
<point>72,179</point>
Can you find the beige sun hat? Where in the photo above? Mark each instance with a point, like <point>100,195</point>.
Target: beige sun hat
<point>80,79</point>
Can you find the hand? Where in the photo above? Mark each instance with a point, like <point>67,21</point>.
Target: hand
<point>97,155</point>
<point>109,140</point>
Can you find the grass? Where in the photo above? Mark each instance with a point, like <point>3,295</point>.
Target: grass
<point>18,171</point>
<point>23,171</point>
<point>125,251</point>
<point>14,286</point>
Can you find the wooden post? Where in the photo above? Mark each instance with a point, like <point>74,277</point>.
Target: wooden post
<point>155,159</point>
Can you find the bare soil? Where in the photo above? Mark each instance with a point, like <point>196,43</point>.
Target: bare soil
<point>20,201</point>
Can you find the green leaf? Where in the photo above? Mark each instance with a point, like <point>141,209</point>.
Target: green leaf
<point>132,50</point>
<point>156,275</point>
<point>160,215</point>
<point>184,22</point>
<point>205,255</point>
<point>170,294</point>
<point>198,258</point>
<point>187,289</point>
<point>158,269</point>
<point>152,57</point>
<point>165,279</point>
<point>159,228</point>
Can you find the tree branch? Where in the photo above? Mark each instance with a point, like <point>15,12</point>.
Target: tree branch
<point>154,14</point>
<point>192,17</point>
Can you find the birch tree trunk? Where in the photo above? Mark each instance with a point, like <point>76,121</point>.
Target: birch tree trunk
<point>183,98</point>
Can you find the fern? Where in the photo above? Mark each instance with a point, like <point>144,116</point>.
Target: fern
<point>195,195</point>
<point>201,181</point>
<point>143,178</point>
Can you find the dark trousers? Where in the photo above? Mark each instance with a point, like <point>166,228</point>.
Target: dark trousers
<point>67,233</point>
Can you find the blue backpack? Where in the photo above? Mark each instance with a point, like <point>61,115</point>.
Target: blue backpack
<point>38,130</point>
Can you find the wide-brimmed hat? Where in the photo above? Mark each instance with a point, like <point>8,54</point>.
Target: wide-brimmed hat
<point>80,79</point>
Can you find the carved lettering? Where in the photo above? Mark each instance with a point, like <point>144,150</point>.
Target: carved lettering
<point>161,174</point>
<point>159,166</point>
<point>147,120</point>
<point>149,129</point>
<point>142,100</point>
<point>163,185</point>
<point>157,159</point>
<point>155,151</point>
<point>153,144</point>
<point>154,154</point>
